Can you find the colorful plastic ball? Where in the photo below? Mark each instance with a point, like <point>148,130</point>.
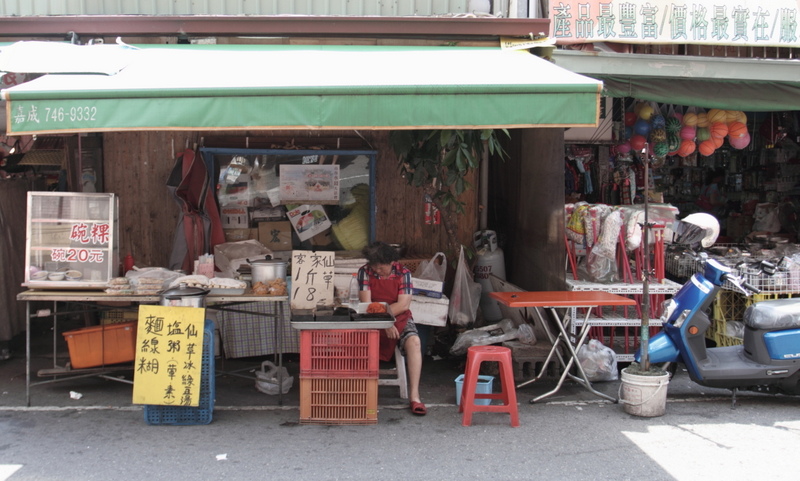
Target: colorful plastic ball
<point>718,141</point>
<point>646,112</point>
<point>739,142</point>
<point>732,115</point>
<point>690,119</point>
<point>717,115</point>
<point>688,133</point>
<point>742,117</point>
<point>673,142</point>
<point>658,122</point>
<point>630,118</point>
<point>658,135</point>
<point>687,148</point>
<point>719,129</point>
<point>702,120</point>
<point>703,134</point>
<point>624,148</point>
<point>641,127</point>
<point>628,132</point>
<point>638,142</point>
<point>660,149</point>
<point>706,147</point>
<point>737,129</point>
<point>677,115</point>
<point>673,125</point>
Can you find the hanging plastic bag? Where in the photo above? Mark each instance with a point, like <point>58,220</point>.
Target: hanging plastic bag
<point>465,296</point>
<point>432,270</point>
<point>599,362</point>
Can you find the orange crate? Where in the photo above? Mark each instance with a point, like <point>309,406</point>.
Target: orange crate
<point>338,401</point>
<point>102,345</point>
<point>328,353</point>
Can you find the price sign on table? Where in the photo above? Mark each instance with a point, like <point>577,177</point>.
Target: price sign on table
<point>312,279</point>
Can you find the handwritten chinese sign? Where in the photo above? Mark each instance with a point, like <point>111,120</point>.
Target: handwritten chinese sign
<point>711,22</point>
<point>169,356</point>
<point>312,279</point>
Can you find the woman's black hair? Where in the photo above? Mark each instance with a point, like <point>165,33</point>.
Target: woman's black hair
<point>380,253</point>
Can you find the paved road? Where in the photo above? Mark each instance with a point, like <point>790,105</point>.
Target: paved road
<point>700,437</point>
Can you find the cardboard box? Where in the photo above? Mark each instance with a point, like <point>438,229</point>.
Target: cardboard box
<point>323,239</point>
<point>277,236</point>
<point>101,345</point>
<point>236,235</point>
<point>430,311</point>
<point>424,287</point>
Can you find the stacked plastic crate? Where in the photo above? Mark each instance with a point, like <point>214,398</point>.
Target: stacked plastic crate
<point>190,415</point>
<point>339,376</point>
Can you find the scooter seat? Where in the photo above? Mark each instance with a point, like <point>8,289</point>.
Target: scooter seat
<point>773,315</point>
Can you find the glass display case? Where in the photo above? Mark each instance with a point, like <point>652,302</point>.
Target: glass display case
<point>71,240</point>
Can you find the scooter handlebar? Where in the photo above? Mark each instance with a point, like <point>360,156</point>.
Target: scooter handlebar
<point>751,288</point>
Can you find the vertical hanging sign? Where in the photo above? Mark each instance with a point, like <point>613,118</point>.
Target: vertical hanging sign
<point>312,279</point>
<point>169,356</point>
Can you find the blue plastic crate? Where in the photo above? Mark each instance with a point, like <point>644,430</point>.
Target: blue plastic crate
<point>191,415</point>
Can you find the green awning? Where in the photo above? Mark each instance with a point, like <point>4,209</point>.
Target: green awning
<point>729,83</point>
<point>246,87</point>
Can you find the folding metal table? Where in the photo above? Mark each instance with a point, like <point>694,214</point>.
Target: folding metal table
<point>552,301</point>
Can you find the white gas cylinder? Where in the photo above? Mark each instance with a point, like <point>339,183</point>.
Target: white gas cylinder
<point>490,261</point>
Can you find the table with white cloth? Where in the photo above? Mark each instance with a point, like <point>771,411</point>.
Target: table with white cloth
<point>265,318</point>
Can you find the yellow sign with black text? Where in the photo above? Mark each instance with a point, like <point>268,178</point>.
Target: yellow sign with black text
<point>169,356</point>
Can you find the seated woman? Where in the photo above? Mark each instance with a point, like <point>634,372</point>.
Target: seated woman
<point>383,279</point>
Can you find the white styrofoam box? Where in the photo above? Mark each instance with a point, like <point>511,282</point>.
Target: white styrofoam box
<point>430,311</point>
<point>425,287</point>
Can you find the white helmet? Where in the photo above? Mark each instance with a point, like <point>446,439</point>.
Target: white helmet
<point>697,228</point>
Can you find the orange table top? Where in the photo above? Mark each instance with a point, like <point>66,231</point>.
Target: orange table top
<point>561,299</point>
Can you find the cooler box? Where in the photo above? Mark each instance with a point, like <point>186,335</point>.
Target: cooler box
<point>484,386</point>
<point>102,345</point>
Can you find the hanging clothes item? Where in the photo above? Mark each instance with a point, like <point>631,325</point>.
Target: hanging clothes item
<point>199,229</point>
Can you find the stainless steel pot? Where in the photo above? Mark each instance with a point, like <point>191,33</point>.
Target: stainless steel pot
<point>265,270</point>
<point>184,296</point>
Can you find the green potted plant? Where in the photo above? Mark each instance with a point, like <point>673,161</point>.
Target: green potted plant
<point>439,161</point>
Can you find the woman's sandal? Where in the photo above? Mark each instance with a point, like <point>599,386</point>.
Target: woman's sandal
<point>418,408</point>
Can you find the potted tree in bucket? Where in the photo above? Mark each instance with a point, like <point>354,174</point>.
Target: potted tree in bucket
<point>643,389</point>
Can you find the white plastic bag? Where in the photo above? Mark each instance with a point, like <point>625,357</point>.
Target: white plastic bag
<point>465,296</point>
<point>599,362</point>
<point>483,336</point>
<point>271,380</point>
<point>432,270</point>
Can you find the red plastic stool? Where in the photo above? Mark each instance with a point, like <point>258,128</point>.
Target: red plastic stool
<point>475,356</point>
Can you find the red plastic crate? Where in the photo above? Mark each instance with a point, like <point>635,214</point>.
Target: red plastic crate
<point>326,353</point>
<point>338,401</point>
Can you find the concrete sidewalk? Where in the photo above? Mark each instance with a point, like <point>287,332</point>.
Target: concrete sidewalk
<point>572,435</point>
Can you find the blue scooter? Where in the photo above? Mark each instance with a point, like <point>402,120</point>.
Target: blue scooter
<point>769,359</point>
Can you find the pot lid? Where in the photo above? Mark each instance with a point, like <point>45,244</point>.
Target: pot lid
<point>184,291</point>
<point>265,262</point>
